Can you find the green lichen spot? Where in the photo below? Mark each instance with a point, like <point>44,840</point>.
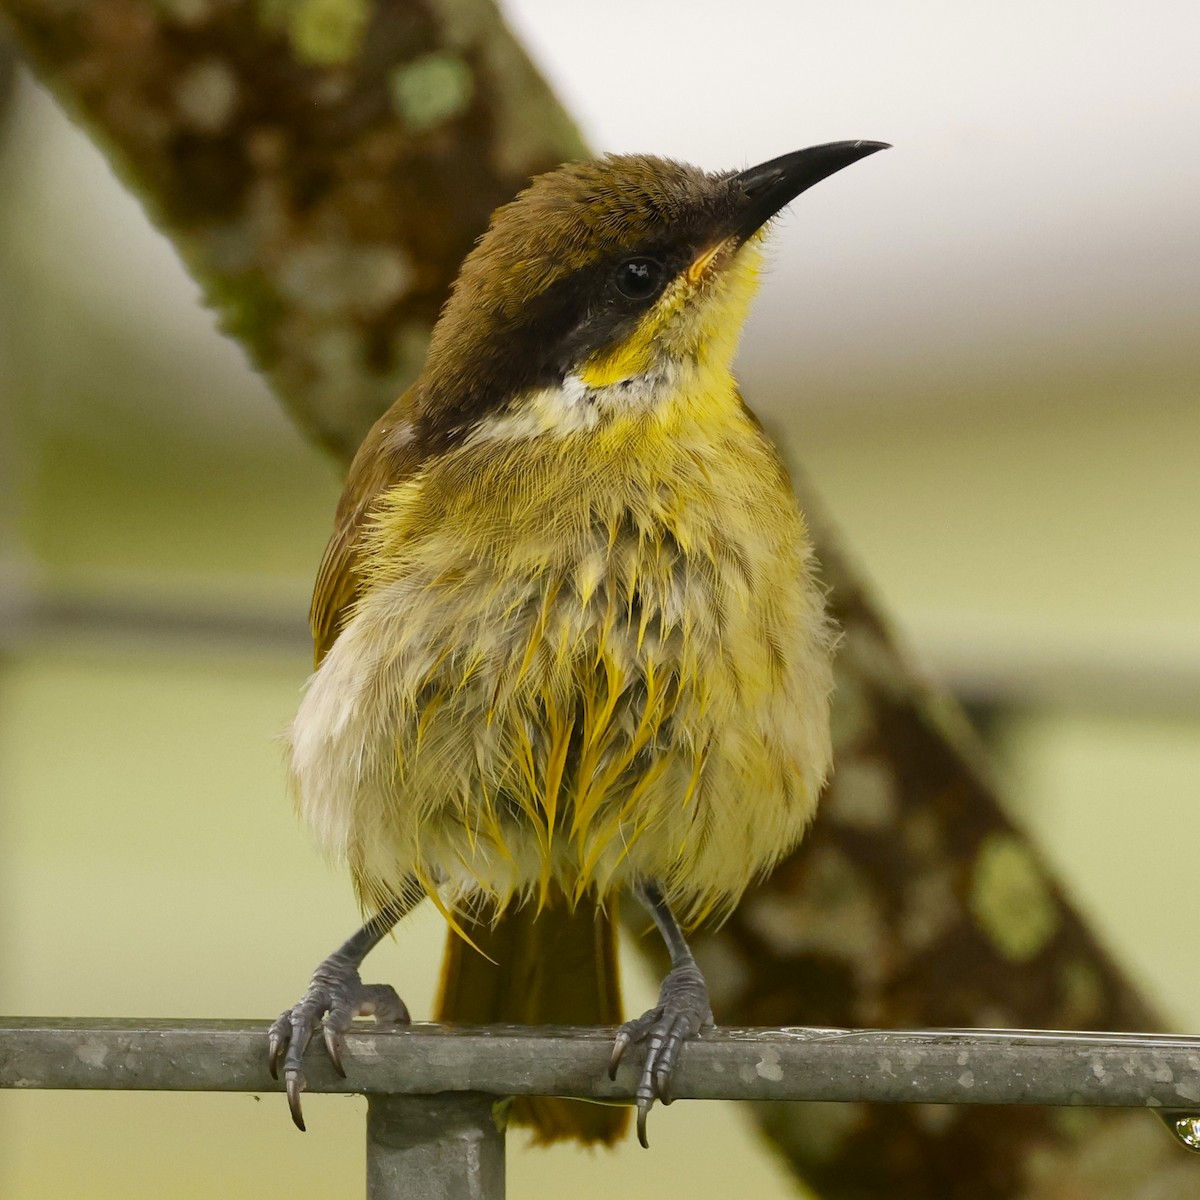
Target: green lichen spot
<point>249,310</point>
<point>1082,995</point>
<point>273,14</point>
<point>1010,899</point>
<point>323,33</point>
<point>431,89</point>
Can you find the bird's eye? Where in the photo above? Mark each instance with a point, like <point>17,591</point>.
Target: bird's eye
<point>638,278</point>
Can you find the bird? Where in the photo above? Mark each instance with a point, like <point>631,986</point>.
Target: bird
<point>570,636</point>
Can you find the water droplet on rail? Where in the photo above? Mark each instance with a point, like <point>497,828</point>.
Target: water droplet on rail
<point>1184,1127</point>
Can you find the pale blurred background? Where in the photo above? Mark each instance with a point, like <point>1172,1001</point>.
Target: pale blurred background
<point>983,345</point>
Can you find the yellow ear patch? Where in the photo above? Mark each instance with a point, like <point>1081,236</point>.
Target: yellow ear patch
<point>633,357</point>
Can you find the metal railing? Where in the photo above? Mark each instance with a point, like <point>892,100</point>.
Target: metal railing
<point>436,1094</point>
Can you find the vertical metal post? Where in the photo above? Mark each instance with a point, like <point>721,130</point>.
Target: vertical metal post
<point>444,1147</point>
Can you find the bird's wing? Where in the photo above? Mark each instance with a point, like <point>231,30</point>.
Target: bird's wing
<point>389,455</point>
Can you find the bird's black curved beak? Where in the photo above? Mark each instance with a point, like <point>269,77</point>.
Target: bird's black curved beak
<point>771,185</point>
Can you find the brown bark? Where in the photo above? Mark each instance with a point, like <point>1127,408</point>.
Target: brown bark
<point>322,166</point>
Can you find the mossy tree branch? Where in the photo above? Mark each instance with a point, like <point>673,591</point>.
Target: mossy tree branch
<point>322,165</point>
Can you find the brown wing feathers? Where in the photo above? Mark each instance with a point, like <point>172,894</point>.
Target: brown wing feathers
<point>390,453</point>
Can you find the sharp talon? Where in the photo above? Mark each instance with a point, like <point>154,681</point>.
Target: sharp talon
<point>333,1043</point>
<point>643,1112</point>
<point>274,1054</point>
<point>618,1052</point>
<point>295,1085</point>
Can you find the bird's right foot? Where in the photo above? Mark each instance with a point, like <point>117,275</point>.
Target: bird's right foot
<point>338,995</point>
<point>682,1012</point>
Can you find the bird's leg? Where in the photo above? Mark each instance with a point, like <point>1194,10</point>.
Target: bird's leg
<point>338,995</point>
<point>682,1011</point>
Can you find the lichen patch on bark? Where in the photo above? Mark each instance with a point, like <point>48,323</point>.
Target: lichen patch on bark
<point>1010,899</point>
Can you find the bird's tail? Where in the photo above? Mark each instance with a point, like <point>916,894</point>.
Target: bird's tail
<point>556,966</point>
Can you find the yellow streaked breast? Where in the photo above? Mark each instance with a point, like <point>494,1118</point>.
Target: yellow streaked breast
<point>579,660</point>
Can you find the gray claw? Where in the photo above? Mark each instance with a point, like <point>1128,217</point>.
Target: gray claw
<point>275,1045</point>
<point>620,1045</point>
<point>643,1112</point>
<point>333,1043</point>
<point>295,1085</point>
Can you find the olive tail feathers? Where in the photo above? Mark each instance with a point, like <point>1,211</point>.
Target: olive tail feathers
<point>553,967</point>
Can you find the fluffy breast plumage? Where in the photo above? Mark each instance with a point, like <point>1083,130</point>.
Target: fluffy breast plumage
<point>625,677</point>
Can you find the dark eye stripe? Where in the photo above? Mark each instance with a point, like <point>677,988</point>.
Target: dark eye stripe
<point>578,315</point>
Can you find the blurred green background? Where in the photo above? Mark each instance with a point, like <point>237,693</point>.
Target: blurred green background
<point>1027,506</point>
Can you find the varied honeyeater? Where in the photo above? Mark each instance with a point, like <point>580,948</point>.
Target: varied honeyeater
<point>570,636</point>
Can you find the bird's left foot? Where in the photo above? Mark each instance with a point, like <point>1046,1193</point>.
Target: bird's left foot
<point>338,995</point>
<point>683,1010</point>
